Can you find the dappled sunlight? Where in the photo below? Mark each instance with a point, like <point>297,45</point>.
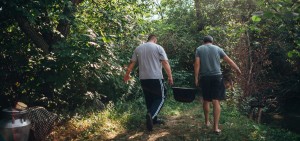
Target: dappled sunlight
<point>187,124</point>
<point>67,131</point>
<point>93,127</point>
<point>179,126</point>
<point>136,135</point>
<point>155,137</point>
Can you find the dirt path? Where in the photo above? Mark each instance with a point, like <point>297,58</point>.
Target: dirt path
<point>186,127</point>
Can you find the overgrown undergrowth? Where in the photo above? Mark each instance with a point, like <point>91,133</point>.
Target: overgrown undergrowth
<point>125,121</point>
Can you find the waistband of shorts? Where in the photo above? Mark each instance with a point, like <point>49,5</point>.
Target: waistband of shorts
<point>212,76</point>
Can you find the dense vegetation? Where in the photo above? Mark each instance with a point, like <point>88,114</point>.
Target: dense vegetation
<point>66,54</point>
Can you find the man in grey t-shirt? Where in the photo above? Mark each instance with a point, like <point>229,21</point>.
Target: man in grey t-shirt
<point>151,57</point>
<point>207,63</point>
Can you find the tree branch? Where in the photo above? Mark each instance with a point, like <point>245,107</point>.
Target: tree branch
<point>36,37</point>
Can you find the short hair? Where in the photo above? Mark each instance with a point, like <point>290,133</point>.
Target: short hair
<point>208,39</point>
<point>151,37</point>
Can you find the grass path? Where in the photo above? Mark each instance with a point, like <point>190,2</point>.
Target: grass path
<point>184,122</point>
<point>188,126</point>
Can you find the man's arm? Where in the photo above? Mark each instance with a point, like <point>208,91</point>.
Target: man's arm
<point>232,64</point>
<point>166,65</point>
<point>129,69</point>
<point>196,70</point>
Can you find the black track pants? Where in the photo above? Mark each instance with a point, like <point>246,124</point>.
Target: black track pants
<point>155,93</point>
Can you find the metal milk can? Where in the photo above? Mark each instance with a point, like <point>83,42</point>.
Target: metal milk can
<point>14,125</point>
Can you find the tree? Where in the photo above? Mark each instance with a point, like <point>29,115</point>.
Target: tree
<point>282,43</point>
<point>66,53</point>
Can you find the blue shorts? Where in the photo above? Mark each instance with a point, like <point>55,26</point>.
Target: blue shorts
<point>212,87</point>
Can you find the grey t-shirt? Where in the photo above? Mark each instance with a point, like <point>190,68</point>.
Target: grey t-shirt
<point>149,56</point>
<point>210,56</point>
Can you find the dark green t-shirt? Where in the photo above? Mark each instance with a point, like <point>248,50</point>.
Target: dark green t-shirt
<point>210,56</point>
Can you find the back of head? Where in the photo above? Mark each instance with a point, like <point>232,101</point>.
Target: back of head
<point>151,37</point>
<point>208,39</point>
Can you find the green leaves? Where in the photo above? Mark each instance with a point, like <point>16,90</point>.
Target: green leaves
<point>293,53</point>
<point>89,44</point>
<point>255,19</point>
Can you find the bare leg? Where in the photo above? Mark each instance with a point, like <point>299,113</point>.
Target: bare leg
<point>206,112</point>
<point>217,111</point>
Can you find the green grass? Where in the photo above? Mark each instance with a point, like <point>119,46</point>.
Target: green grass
<point>124,117</point>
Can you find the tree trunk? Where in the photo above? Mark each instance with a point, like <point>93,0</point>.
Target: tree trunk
<point>198,15</point>
<point>37,39</point>
<point>197,7</point>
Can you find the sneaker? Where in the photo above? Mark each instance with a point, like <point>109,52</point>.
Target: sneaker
<point>159,121</point>
<point>149,122</point>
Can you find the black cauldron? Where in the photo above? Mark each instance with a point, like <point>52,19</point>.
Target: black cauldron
<point>183,94</point>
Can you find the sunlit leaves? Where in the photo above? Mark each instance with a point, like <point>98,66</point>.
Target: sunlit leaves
<point>255,18</point>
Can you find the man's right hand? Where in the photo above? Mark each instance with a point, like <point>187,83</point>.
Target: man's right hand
<point>126,78</point>
<point>130,67</point>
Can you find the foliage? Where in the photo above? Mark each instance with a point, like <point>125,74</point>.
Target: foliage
<point>176,32</point>
<point>181,78</point>
<point>285,45</point>
<point>88,44</point>
<point>280,47</point>
<point>69,54</point>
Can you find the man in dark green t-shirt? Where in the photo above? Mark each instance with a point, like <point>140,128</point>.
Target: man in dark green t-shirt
<point>207,64</point>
